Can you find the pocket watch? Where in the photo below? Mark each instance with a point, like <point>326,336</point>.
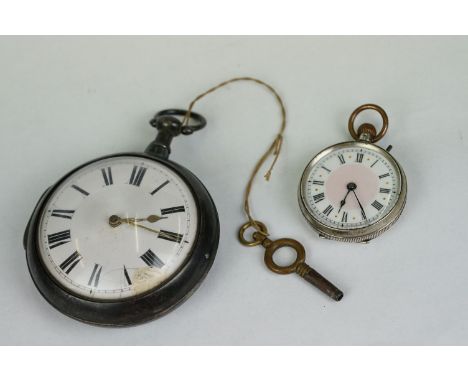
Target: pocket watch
<point>354,191</point>
<point>125,238</point>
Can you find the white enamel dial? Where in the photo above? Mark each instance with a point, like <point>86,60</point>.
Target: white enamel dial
<point>351,187</point>
<point>154,235</point>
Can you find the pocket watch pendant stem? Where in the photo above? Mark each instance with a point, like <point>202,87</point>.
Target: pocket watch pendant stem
<point>161,146</point>
<point>169,125</point>
<point>366,132</point>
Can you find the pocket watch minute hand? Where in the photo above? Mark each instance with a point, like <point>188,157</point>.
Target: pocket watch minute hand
<point>141,226</point>
<point>161,234</point>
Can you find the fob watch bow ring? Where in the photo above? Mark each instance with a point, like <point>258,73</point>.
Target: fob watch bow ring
<point>367,128</point>
<point>125,238</point>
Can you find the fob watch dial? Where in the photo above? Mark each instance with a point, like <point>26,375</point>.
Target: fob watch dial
<point>352,190</point>
<point>117,228</point>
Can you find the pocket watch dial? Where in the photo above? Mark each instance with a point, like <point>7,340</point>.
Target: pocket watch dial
<point>351,187</point>
<point>117,228</point>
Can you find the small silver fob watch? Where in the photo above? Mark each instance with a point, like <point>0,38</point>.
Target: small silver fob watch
<point>354,191</point>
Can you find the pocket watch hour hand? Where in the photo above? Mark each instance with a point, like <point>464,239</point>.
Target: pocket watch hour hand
<point>155,218</point>
<point>150,219</point>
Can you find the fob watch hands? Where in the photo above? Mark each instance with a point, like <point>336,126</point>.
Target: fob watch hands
<point>351,187</point>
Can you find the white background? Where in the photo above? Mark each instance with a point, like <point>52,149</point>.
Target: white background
<point>64,101</point>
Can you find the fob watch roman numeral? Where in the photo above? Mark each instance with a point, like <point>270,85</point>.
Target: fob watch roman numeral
<point>353,191</point>
<point>125,238</point>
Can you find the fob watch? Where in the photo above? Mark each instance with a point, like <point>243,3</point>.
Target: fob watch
<point>354,191</point>
<point>125,238</point>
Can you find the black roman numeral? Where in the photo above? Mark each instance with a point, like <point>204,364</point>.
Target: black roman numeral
<point>318,182</point>
<point>151,259</point>
<point>384,190</point>
<point>127,277</point>
<point>326,169</point>
<point>172,210</point>
<point>341,158</point>
<point>95,275</point>
<point>79,189</point>
<point>70,262</point>
<point>59,238</point>
<point>359,157</point>
<point>344,218</point>
<point>372,165</point>
<point>66,214</point>
<point>319,197</point>
<point>384,175</point>
<point>159,187</point>
<point>137,175</point>
<point>377,205</point>
<point>107,175</point>
<point>171,236</point>
<point>328,210</point>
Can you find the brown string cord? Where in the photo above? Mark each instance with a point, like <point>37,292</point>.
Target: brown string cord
<point>274,149</point>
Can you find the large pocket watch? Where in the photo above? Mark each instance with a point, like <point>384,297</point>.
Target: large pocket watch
<point>354,191</point>
<point>125,238</point>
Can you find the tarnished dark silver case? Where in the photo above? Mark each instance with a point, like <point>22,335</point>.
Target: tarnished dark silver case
<point>153,304</point>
